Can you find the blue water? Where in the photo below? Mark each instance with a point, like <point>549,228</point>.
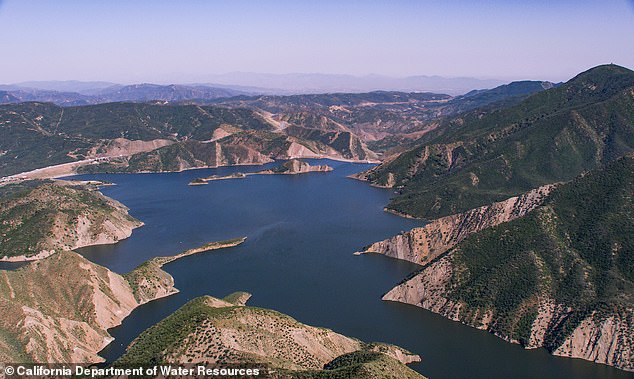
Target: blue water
<point>298,259</point>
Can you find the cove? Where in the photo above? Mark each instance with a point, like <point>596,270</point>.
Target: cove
<point>298,259</point>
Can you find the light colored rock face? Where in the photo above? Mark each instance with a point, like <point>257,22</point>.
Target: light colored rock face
<point>428,289</point>
<point>293,167</point>
<point>116,227</point>
<point>76,217</point>
<point>607,340</point>
<point>422,245</point>
<point>124,147</point>
<point>603,340</point>
<point>59,309</point>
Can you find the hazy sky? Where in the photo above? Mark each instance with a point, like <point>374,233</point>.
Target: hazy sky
<point>182,41</point>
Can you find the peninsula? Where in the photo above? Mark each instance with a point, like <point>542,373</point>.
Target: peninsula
<point>226,332</point>
<point>59,308</point>
<point>44,217</point>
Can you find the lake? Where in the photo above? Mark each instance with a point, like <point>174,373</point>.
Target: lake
<point>298,259</point>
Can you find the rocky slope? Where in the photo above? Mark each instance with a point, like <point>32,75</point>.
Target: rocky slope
<point>58,309</point>
<point>224,332</point>
<point>158,137</point>
<point>43,217</point>
<point>560,277</point>
<point>422,245</point>
<point>244,148</point>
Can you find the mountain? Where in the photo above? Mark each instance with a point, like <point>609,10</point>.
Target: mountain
<point>226,333</point>
<point>559,274</point>
<point>340,125</point>
<point>19,95</point>
<point>507,94</point>
<point>51,92</point>
<point>487,155</point>
<point>81,87</point>
<point>7,97</point>
<point>34,135</point>
<point>172,93</point>
<point>385,120</point>
<point>307,83</point>
<point>59,308</point>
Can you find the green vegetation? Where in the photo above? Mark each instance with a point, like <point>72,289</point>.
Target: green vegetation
<point>361,364</point>
<point>488,155</point>
<point>198,332</point>
<point>42,215</point>
<point>152,345</point>
<point>577,249</point>
<point>148,280</point>
<point>35,135</point>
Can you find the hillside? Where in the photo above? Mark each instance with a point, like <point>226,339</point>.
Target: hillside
<point>225,332</point>
<point>423,245</point>
<point>488,155</point>
<point>40,218</point>
<point>385,120</point>
<point>35,135</point>
<point>58,309</point>
<point>560,277</point>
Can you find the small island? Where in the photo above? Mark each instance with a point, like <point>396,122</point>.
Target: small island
<point>291,167</point>
<point>203,181</point>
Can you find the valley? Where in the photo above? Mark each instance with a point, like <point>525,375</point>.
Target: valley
<point>517,198</point>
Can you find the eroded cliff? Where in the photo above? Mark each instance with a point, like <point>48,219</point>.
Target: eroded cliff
<point>558,277</point>
<point>422,245</point>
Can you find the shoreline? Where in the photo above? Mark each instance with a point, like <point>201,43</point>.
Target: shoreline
<point>40,173</point>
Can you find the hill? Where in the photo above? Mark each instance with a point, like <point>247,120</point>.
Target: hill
<point>40,218</point>
<point>486,155</point>
<point>225,332</point>
<point>59,308</point>
<point>560,277</point>
<point>35,135</point>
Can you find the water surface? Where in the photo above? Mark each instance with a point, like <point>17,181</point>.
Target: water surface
<point>298,259</point>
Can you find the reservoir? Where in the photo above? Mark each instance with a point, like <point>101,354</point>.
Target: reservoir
<point>298,259</point>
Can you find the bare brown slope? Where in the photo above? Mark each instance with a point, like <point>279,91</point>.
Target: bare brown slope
<point>58,309</point>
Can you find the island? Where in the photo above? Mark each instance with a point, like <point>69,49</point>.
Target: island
<point>291,167</point>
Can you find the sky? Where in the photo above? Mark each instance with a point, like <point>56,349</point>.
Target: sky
<point>185,41</point>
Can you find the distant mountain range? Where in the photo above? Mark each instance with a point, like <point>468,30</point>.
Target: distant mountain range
<point>113,93</point>
<point>328,83</point>
<point>74,92</point>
